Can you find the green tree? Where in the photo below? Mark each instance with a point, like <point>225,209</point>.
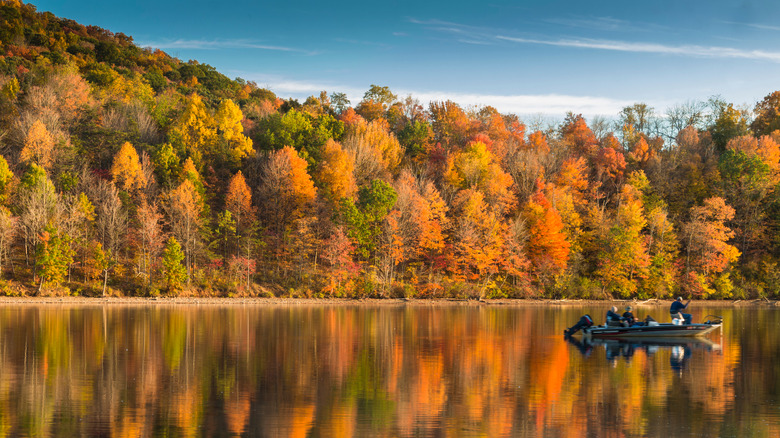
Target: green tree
<point>301,131</point>
<point>729,122</point>
<point>364,219</point>
<point>174,273</point>
<point>53,256</point>
<point>6,178</point>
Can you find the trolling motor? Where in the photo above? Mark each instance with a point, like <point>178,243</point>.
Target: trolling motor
<point>715,319</point>
<point>585,321</point>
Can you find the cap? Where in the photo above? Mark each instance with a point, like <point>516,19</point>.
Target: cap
<point>628,308</point>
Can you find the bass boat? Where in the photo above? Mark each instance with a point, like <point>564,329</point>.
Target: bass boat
<point>654,330</point>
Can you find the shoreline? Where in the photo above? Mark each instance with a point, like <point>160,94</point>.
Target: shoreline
<point>252,301</point>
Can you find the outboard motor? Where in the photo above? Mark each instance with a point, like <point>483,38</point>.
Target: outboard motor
<point>585,321</point>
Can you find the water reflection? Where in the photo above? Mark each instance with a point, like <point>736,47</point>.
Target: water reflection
<point>415,370</point>
<point>679,350</point>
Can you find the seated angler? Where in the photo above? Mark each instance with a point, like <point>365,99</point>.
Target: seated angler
<point>629,318</point>
<point>613,318</point>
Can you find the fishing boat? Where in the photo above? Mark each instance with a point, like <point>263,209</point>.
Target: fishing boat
<point>654,330</point>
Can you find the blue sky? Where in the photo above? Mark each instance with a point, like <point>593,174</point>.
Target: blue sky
<point>522,57</point>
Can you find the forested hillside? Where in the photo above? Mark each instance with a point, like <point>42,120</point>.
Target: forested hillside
<point>126,171</point>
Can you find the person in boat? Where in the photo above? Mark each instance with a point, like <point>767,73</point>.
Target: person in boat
<point>585,321</point>
<point>628,317</point>
<point>676,310</point>
<point>613,318</point>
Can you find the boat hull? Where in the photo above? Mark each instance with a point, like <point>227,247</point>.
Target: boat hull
<point>660,330</point>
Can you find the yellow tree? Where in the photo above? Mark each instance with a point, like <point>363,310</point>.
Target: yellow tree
<point>230,130</point>
<point>38,146</point>
<point>335,173</point>
<point>194,131</point>
<point>374,150</point>
<point>126,169</point>
<point>479,236</point>
<point>623,258</point>
<point>476,168</point>
<point>184,212</point>
<point>6,180</point>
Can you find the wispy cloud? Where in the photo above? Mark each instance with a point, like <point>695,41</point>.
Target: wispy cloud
<point>640,47</point>
<point>604,24</point>
<point>218,44</point>
<point>479,35</point>
<point>754,25</point>
<point>521,104</point>
<point>465,33</point>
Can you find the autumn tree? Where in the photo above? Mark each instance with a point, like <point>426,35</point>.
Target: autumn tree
<point>569,197</point>
<point>38,146</point>
<point>230,132</point>
<point>767,115</point>
<point>373,149</point>
<point>53,255</point>
<point>476,168</point>
<point>150,238</point>
<point>728,123</point>
<point>173,272</point>
<point>375,102</point>
<point>547,247</point>
<point>577,134</point>
<point>479,237</point>
<point>8,229</point>
<point>238,200</point>
<point>337,253</point>
<point>286,190</point>
<point>111,225</point>
<point>183,205</point>
<point>421,224</point>
<point>6,181</point>
<point>38,203</point>
<point>335,173</point>
<point>451,125</point>
<point>663,248</point>
<point>707,251</point>
<point>747,183</point>
<point>126,169</point>
<point>194,133</point>
<point>622,258</point>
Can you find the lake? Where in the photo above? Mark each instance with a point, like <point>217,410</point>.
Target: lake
<point>377,370</point>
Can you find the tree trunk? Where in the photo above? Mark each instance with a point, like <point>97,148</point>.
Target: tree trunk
<point>105,281</point>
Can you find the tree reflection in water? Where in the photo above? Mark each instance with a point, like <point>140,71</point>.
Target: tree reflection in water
<point>357,370</point>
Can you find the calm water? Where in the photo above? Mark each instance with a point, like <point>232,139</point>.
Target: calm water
<point>339,370</point>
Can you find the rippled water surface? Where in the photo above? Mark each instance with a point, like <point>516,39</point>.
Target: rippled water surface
<point>386,370</point>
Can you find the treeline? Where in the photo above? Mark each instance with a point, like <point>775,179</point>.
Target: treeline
<point>127,171</point>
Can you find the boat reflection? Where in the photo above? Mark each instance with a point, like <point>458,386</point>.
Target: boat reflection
<point>681,349</point>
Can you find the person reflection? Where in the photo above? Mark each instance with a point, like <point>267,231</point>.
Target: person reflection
<point>679,357</point>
